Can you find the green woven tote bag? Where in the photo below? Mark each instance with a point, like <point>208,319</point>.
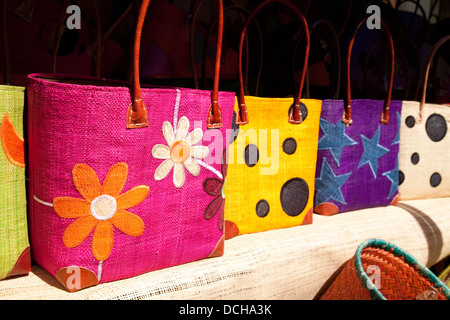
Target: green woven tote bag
<point>14,246</point>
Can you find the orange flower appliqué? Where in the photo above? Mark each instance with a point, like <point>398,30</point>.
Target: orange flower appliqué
<point>12,143</point>
<point>102,208</point>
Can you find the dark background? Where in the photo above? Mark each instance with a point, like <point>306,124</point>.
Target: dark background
<point>35,39</point>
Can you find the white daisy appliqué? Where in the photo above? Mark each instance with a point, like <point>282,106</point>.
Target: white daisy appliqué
<point>180,152</point>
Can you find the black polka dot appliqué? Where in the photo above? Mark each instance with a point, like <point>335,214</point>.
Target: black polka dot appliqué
<point>289,146</point>
<point>436,127</point>
<point>435,179</point>
<point>401,177</point>
<point>415,158</point>
<point>262,208</point>
<point>294,196</point>
<point>410,121</point>
<point>251,155</point>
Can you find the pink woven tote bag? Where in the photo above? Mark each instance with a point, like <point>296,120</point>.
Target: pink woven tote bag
<point>123,180</point>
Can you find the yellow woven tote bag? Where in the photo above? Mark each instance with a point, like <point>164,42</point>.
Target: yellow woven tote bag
<point>272,160</point>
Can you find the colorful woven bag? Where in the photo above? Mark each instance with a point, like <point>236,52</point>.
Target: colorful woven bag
<point>14,245</point>
<point>272,156</point>
<point>424,145</point>
<point>382,271</point>
<point>116,193</point>
<point>357,162</point>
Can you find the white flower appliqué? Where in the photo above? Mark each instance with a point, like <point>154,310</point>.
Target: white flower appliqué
<point>179,153</point>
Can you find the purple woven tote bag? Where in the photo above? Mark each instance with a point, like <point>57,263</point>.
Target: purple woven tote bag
<point>116,193</point>
<point>357,163</point>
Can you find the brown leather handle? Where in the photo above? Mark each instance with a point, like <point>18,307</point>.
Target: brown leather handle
<point>347,116</point>
<point>137,115</point>
<point>430,58</point>
<point>295,116</point>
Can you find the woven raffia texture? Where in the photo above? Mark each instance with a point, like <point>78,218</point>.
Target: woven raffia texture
<point>291,263</point>
<point>357,166</point>
<point>13,216</point>
<point>399,279</point>
<point>122,202</point>
<point>271,167</point>
<point>424,152</point>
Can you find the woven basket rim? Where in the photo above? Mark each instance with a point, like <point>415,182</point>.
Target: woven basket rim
<point>102,84</point>
<point>385,245</point>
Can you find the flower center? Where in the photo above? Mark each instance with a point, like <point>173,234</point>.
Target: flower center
<point>103,207</point>
<point>180,152</point>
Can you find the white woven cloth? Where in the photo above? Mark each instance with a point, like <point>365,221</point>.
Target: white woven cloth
<point>293,263</point>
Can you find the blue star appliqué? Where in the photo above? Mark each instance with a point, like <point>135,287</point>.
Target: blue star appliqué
<point>397,137</point>
<point>393,177</point>
<point>328,185</point>
<point>334,139</point>
<point>372,151</point>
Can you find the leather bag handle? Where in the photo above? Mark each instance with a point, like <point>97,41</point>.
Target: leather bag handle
<point>347,116</point>
<point>430,58</point>
<point>137,115</point>
<point>295,116</point>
